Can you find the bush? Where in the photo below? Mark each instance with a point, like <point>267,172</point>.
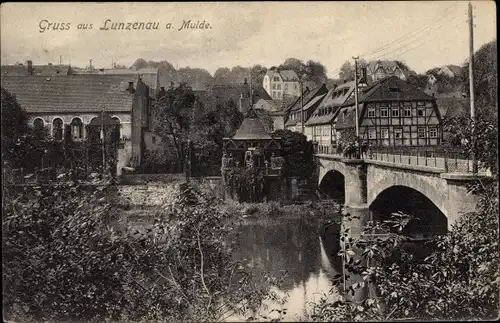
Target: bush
<point>64,259</point>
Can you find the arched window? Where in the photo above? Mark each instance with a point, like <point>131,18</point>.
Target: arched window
<point>77,129</point>
<point>39,127</point>
<point>57,129</point>
<point>117,129</point>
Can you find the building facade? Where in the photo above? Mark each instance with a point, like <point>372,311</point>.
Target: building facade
<point>281,83</point>
<point>321,125</point>
<point>393,113</point>
<point>65,107</point>
<point>377,70</point>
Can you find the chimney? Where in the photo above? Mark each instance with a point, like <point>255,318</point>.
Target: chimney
<point>30,67</point>
<point>131,87</point>
<point>363,75</point>
<point>245,81</point>
<point>345,81</point>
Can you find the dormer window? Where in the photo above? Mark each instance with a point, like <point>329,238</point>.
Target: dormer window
<point>394,89</point>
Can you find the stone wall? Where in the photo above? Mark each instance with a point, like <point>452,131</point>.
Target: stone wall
<point>149,195</point>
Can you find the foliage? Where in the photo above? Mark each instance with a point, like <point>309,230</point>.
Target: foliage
<point>175,111</point>
<point>347,70</point>
<point>246,183</point>
<point>311,71</point>
<point>14,120</point>
<point>65,258</point>
<point>298,153</point>
<point>485,75</point>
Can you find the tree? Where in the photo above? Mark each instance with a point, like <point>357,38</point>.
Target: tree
<point>315,72</point>
<point>67,258</point>
<point>258,72</point>
<point>140,63</point>
<point>485,74</point>
<point>175,110</point>
<point>14,120</point>
<point>347,69</point>
<point>298,153</point>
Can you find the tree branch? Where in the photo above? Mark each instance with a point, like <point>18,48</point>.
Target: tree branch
<point>201,271</point>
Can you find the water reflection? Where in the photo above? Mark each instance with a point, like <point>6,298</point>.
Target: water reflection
<point>295,246</point>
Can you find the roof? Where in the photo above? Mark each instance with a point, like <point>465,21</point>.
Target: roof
<point>381,91</point>
<point>346,117</point>
<point>457,70</point>
<point>266,105</point>
<point>308,96</point>
<point>289,75</point>
<point>388,66</point>
<point>43,70</point>
<point>286,75</point>
<point>71,93</point>
<point>333,99</point>
<point>313,101</point>
<point>251,128</point>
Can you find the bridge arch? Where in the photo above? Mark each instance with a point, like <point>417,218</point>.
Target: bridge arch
<point>326,166</point>
<point>437,196</point>
<point>427,217</point>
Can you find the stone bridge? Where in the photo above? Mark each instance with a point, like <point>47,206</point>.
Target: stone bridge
<point>366,179</point>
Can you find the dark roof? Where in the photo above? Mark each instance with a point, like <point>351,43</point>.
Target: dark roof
<point>333,99</point>
<point>42,70</point>
<point>251,128</point>
<point>380,91</point>
<point>308,96</point>
<point>311,99</point>
<point>71,93</point>
<point>346,117</point>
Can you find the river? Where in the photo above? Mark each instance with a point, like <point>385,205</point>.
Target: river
<point>295,249</point>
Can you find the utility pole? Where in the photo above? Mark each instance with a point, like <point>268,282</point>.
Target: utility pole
<point>60,59</point>
<point>471,89</point>
<point>356,102</point>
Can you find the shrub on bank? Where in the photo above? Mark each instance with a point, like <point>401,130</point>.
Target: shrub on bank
<point>64,260</point>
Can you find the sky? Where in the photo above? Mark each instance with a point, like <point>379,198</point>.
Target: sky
<point>423,34</point>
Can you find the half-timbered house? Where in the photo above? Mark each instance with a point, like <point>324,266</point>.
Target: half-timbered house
<point>311,99</point>
<point>393,112</point>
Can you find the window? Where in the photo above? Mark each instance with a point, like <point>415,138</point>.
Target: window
<point>398,133</point>
<point>421,132</point>
<point>433,132</point>
<point>384,133</point>
<point>274,86</point>
<point>420,111</point>
<point>278,87</point>
<point>295,86</point>
<point>57,129</point>
<point>407,111</point>
<point>372,134</point>
<point>383,112</point>
<point>39,127</point>
<point>117,130</point>
<point>77,129</point>
<point>395,112</point>
<point>286,87</point>
<point>371,112</point>
<point>393,89</point>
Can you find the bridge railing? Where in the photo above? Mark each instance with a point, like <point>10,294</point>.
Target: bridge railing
<point>448,160</point>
